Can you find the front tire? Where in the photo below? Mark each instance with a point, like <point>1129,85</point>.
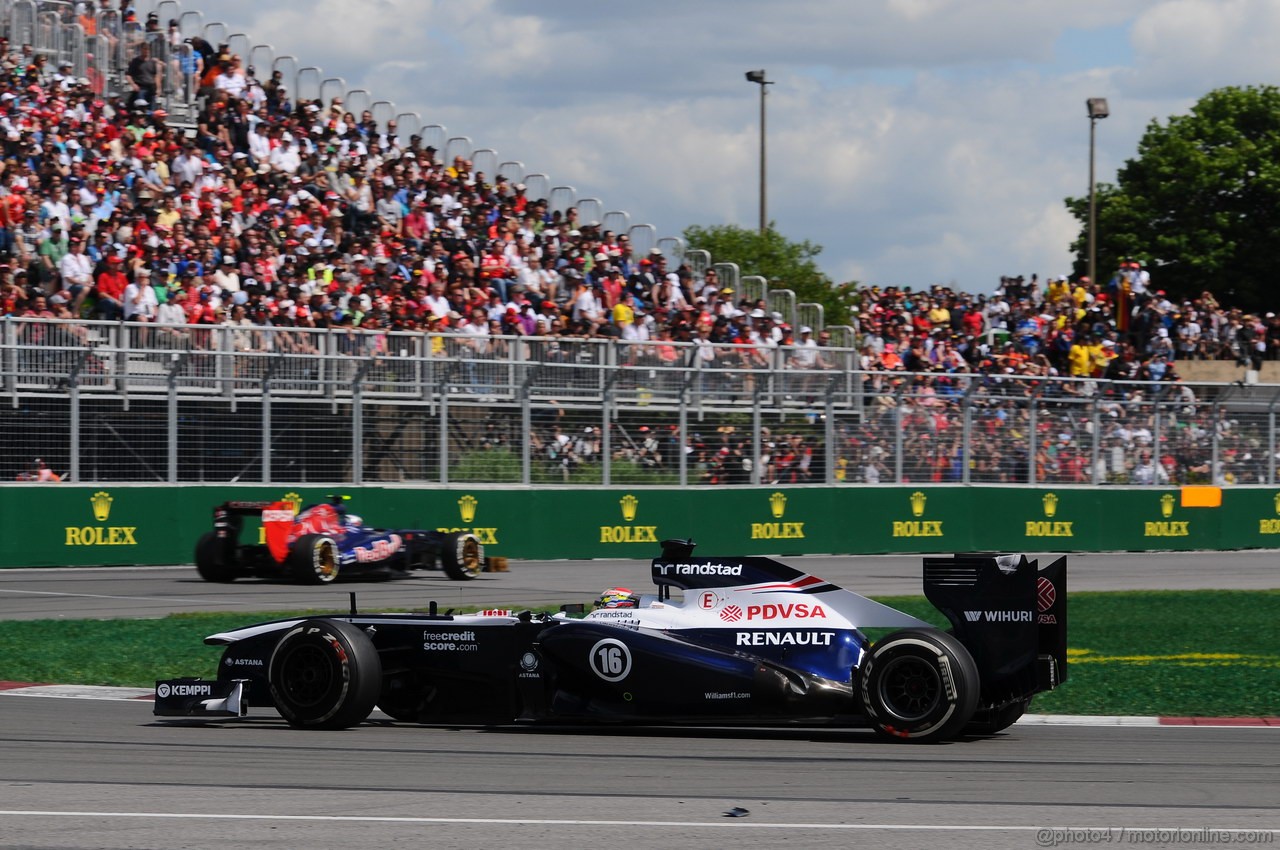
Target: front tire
<point>919,686</point>
<point>325,674</point>
<point>210,560</point>
<point>313,559</point>
<point>462,556</point>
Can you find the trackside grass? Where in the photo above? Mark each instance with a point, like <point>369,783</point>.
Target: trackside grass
<point>1205,653</point>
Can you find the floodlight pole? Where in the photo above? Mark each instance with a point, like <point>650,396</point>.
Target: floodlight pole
<point>758,77</point>
<point>1098,110</point>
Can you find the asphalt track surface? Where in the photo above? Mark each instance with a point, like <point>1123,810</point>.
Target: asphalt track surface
<point>157,591</point>
<point>89,774</point>
<point>106,774</point>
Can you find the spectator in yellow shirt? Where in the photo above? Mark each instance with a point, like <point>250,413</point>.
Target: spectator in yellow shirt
<point>1079,359</point>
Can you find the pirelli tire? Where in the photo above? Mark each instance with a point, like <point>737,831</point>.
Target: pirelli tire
<point>462,556</point>
<point>325,674</point>
<point>919,686</point>
<point>211,562</point>
<point>313,559</point>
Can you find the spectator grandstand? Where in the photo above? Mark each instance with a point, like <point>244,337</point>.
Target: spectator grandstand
<point>160,198</point>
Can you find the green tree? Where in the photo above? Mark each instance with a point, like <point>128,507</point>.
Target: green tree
<point>785,264</point>
<point>1200,203</point>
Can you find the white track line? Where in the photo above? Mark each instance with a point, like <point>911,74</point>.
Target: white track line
<point>204,601</point>
<point>103,692</point>
<point>57,571</point>
<point>725,824</point>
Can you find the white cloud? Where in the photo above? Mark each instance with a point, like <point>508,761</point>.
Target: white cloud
<point>919,141</point>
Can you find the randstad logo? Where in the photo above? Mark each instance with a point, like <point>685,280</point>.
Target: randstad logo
<point>1167,527</point>
<point>629,533</point>
<point>1046,527</point>
<point>777,530</point>
<point>917,527</point>
<point>100,535</point>
<point>468,506</point>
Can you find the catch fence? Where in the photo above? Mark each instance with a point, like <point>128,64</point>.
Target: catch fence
<point>110,401</point>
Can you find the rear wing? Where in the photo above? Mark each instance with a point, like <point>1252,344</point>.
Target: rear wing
<point>1011,616</point>
<point>277,521</point>
<point>243,508</point>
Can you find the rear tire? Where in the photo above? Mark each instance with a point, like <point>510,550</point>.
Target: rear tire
<point>919,686</point>
<point>210,563</point>
<point>325,674</point>
<point>462,556</point>
<point>313,559</point>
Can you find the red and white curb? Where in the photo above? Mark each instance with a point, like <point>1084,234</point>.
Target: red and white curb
<point>28,689</point>
<point>1131,720</point>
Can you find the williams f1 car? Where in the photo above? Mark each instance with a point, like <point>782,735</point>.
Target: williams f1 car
<point>321,542</point>
<point>724,641</point>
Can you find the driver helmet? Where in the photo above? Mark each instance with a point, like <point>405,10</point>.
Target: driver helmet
<point>618,597</point>
<point>353,520</point>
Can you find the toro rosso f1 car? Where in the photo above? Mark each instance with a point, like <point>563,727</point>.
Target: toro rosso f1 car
<point>724,641</point>
<point>321,542</point>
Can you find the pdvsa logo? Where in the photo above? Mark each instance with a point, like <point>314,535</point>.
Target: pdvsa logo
<point>468,508</point>
<point>777,530</point>
<point>101,535</point>
<point>1048,527</point>
<point>1167,527</point>
<point>630,506</point>
<point>785,611</point>
<point>917,527</point>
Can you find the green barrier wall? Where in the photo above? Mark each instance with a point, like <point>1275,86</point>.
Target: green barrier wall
<point>63,525</point>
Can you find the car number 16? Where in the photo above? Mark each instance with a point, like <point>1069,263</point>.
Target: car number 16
<point>610,659</point>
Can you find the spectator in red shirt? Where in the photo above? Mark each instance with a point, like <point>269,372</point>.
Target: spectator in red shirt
<point>110,290</point>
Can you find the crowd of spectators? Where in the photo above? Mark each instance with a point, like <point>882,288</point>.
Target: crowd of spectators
<point>285,213</point>
<point>298,214</point>
<point>290,213</point>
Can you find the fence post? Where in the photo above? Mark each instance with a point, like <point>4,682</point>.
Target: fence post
<point>897,436</point>
<point>682,428</point>
<point>266,423</point>
<point>1271,440</point>
<point>73,387</point>
<point>444,433</point>
<point>1213,461</point>
<point>1155,439</point>
<point>966,437</point>
<point>357,422</point>
<point>179,362</point>
<point>1033,440</point>
<point>756,424</point>
<point>829,433</point>
<point>9,358</point>
<point>1097,439</point>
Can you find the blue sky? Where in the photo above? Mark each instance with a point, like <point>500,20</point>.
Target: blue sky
<point>917,141</point>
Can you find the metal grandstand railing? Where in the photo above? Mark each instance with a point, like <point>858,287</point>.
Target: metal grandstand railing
<point>111,401</point>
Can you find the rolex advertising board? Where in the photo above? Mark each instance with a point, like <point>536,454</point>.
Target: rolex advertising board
<point>71,525</point>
